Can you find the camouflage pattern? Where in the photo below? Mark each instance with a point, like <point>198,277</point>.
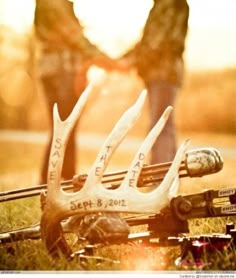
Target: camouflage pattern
<point>61,38</point>
<point>159,53</point>
<point>102,227</point>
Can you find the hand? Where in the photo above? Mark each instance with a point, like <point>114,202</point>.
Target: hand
<point>104,62</point>
<point>108,63</point>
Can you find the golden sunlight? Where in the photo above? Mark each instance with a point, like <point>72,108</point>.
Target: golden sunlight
<point>211,37</point>
<point>115,26</point>
<point>16,16</point>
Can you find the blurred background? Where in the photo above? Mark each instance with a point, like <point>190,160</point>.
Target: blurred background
<point>206,101</point>
<point>208,95</point>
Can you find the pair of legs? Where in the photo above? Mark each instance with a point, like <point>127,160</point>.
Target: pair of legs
<point>162,95</point>
<point>59,88</point>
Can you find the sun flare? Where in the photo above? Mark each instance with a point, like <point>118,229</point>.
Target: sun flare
<point>113,25</point>
<point>14,15</point>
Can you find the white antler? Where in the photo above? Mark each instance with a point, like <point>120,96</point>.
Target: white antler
<point>112,142</point>
<point>61,133</point>
<point>94,197</point>
<point>51,229</point>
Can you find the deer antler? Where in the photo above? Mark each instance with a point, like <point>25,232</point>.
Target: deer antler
<point>93,197</point>
<point>51,230</point>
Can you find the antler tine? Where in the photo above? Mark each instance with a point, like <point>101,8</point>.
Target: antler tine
<point>57,202</point>
<point>169,185</point>
<point>61,132</point>
<point>118,133</point>
<point>125,198</point>
<point>154,201</point>
<point>51,230</point>
<point>94,197</point>
<point>131,178</point>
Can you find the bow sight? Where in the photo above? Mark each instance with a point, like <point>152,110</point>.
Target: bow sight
<point>170,227</point>
<point>101,208</point>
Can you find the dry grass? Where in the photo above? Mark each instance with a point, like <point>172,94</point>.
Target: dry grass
<point>206,104</point>
<point>18,171</point>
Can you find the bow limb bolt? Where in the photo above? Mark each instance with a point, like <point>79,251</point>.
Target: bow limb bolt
<point>58,203</point>
<point>94,197</point>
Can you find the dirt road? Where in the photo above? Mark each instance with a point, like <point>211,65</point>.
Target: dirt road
<point>89,145</point>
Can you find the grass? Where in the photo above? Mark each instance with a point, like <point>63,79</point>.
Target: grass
<point>206,102</point>
<point>18,171</point>
<point>204,113</point>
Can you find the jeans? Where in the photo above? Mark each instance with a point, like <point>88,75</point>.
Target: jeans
<point>162,95</point>
<point>59,88</point>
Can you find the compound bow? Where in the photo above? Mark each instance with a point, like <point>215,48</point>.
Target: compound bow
<point>163,211</point>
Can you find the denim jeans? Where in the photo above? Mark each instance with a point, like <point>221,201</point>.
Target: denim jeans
<point>59,88</point>
<point>162,95</point>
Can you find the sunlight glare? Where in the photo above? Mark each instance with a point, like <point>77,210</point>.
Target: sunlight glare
<point>212,14</point>
<point>17,16</point>
<point>114,26</point>
<point>211,35</point>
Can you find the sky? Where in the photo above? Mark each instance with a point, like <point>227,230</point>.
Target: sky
<point>210,43</point>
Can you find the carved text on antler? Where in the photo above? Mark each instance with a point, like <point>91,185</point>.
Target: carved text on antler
<point>94,197</point>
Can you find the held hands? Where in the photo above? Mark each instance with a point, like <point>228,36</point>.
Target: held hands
<point>103,62</point>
